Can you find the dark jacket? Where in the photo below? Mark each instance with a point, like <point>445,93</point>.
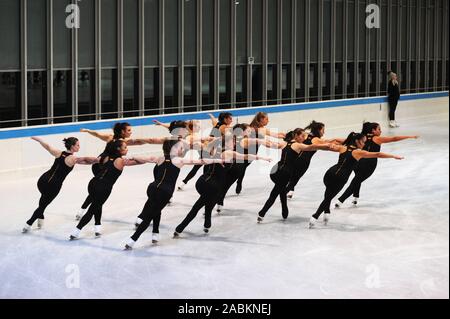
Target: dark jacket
<point>393,92</point>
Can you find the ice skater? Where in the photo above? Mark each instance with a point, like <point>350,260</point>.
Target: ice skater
<point>219,128</point>
<point>161,189</point>
<point>259,130</point>
<point>210,184</point>
<point>316,132</point>
<point>242,144</point>
<point>50,183</point>
<point>350,152</point>
<point>283,170</point>
<point>393,97</point>
<point>100,187</point>
<point>121,131</point>
<point>366,166</point>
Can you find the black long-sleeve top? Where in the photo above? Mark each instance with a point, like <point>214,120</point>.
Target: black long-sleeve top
<point>393,92</point>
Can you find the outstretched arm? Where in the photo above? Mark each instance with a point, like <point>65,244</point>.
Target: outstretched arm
<point>266,131</point>
<point>86,160</point>
<point>312,147</point>
<point>266,143</point>
<point>228,156</point>
<point>365,154</point>
<point>144,159</point>
<point>158,123</point>
<point>390,139</point>
<point>213,120</point>
<point>103,136</point>
<point>334,140</point>
<point>142,141</point>
<point>55,152</point>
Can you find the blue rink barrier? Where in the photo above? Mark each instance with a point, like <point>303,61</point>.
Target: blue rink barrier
<point>147,120</point>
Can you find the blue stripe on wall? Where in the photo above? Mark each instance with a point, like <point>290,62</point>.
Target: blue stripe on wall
<point>71,128</point>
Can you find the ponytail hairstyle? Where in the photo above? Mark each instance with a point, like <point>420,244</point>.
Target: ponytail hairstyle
<point>175,125</point>
<point>256,122</point>
<point>222,117</point>
<point>119,128</point>
<point>315,128</point>
<point>112,150</point>
<point>352,138</point>
<point>391,76</point>
<point>69,142</point>
<point>368,127</point>
<point>292,134</point>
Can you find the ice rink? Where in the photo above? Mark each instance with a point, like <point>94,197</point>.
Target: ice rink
<point>395,244</point>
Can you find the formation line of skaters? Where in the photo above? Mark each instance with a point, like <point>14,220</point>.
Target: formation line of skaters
<point>224,155</point>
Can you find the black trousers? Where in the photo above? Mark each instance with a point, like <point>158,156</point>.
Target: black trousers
<point>48,191</point>
<point>361,174</point>
<point>242,175</point>
<point>99,192</point>
<point>209,195</point>
<point>281,179</point>
<point>157,200</point>
<point>230,178</point>
<point>95,170</point>
<point>392,108</point>
<point>295,178</point>
<point>334,184</point>
<point>192,173</point>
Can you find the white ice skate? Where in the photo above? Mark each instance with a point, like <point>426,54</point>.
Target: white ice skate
<point>75,234</point>
<point>290,194</point>
<point>155,238</point>
<point>181,186</point>
<point>259,219</point>
<point>326,219</point>
<point>80,214</point>
<point>392,124</point>
<point>26,228</point>
<point>98,231</point>
<point>129,244</point>
<point>176,235</point>
<point>312,222</point>
<point>396,124</point>
<point>40,223</point>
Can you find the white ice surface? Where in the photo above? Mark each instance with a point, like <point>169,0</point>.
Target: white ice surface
<point>394,245</point>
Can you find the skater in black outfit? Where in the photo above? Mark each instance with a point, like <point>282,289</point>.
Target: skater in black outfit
<point>317,130</point>
<point>282,171</point>
<point>259,130</point>
<point>337,176</point>
<point>100,187</point>
<point>242,144</point>
<point>393,97</point>
<point>161,190</point>
<point>210,184</point>
<point>366,166</point>
<point>219,127</point>
<point>121,131</point>
<point>50,182</point>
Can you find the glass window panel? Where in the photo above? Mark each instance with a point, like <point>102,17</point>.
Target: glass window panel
<point>190,33</point>
<point>301,30</point>
<point>61,35</point>
<point>257,85</point>
<point>257,30</point>
<point>225,87</point>
<point>37,97</point>
<point>286,84</point>
<point>171,32</point>
<point>9,34</point>
<point>36,34</point>
<point>62,96</point>
<point>327,33</point>
<point>109,32</point>
<point>241,86</point>
<point>130,32</point>
<point>208,88</point>
<point>300,83</point>
<point>287,30</point>
<point>272,84</point>
<point>151,32</point>
<point>151,91</point>
<point>190,92</point>
<point>109,93</point>
<point>314,30</point>
<point>10,108</point>
<point>272,31</point>
<point>130,92</point>
<point>241,31</point>
<point>225,25</point>
<point>171,90</point>
<point>208,32</point>
<point>86,95</point>
<point>86,34</point>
